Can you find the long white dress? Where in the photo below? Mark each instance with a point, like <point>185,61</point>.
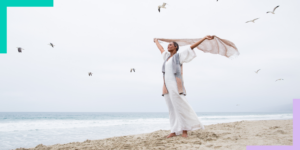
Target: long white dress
<point>182,116</point>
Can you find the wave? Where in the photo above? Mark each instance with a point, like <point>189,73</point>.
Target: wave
<point>63,124</point>
<point>30,125</point>
<point>270,116</point>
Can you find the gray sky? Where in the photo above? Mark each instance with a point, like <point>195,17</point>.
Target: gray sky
<point>110,37</point>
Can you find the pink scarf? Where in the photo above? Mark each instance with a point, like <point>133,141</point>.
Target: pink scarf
<point>215,46</point>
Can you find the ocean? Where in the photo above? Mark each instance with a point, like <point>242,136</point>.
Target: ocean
<point>28,129</point>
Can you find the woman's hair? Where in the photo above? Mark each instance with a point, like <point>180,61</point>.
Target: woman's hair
<point>176,45</point>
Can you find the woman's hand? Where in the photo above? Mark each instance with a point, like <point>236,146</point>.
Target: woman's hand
<point>155,40</point>
<point>209,37</point>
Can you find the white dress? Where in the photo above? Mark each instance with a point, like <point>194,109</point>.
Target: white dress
<point>182,116</point>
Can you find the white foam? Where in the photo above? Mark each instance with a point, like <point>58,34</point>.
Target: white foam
<point>64,124</point>
<point>275,116</point>
<point>27,125</point>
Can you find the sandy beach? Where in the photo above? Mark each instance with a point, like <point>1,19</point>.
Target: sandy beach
<point>225,136</point>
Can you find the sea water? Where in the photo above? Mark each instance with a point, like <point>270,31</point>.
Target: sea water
<point>26,130</point>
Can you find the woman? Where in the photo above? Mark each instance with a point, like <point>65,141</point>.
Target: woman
<point>182,117</point>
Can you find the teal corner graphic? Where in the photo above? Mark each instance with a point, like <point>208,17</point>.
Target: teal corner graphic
<point>3,16</point>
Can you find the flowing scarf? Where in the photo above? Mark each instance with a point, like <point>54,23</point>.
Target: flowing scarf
<point>215,46</point>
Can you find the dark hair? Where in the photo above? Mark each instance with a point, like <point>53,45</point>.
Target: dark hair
<point>176,45</point>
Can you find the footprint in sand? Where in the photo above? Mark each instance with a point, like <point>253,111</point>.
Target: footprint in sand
<point>217,146</point>
<point>274,127</point>
<point>280,131</point>
<point>198,142</point>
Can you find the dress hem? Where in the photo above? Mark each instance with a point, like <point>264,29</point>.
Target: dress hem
<point>196,127</point>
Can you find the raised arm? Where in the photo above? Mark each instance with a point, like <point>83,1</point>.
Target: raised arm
<point>159,46</point>
<point>208,37</point>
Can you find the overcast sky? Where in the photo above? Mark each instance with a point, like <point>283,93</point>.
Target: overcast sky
<point>110,37</point>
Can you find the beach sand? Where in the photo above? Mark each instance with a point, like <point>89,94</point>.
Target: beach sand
<point>224,136</point>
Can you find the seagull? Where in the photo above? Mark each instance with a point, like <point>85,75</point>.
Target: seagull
<point>132,69</point>
<point>257,71</point>
<point>278,79</point>
<point>20,49</point>
<point>252,20</point>
<point>273,10</point>
<point>237,105</point>
<point>51,45</point>
<point>161,6</point>
<point>90,74</point>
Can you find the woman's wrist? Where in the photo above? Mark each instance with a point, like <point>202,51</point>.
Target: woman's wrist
<point>208,37</point>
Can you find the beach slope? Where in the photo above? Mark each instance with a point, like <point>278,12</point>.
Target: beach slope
<point>225,136</point>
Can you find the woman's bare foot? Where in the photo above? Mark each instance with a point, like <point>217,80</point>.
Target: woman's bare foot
<point>184,134</point>
<point>171,135</point>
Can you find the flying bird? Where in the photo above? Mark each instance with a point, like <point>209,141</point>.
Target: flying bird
<point>257,71</point>
<point>252,20</point>
<point>20,49</point>
<point>278,79</point>
<point>132,69</point>
<point>237,105</point>
<point>161,6</point>
<point>90,74</point>
<point>273,12</point>
<point>51,44</point>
